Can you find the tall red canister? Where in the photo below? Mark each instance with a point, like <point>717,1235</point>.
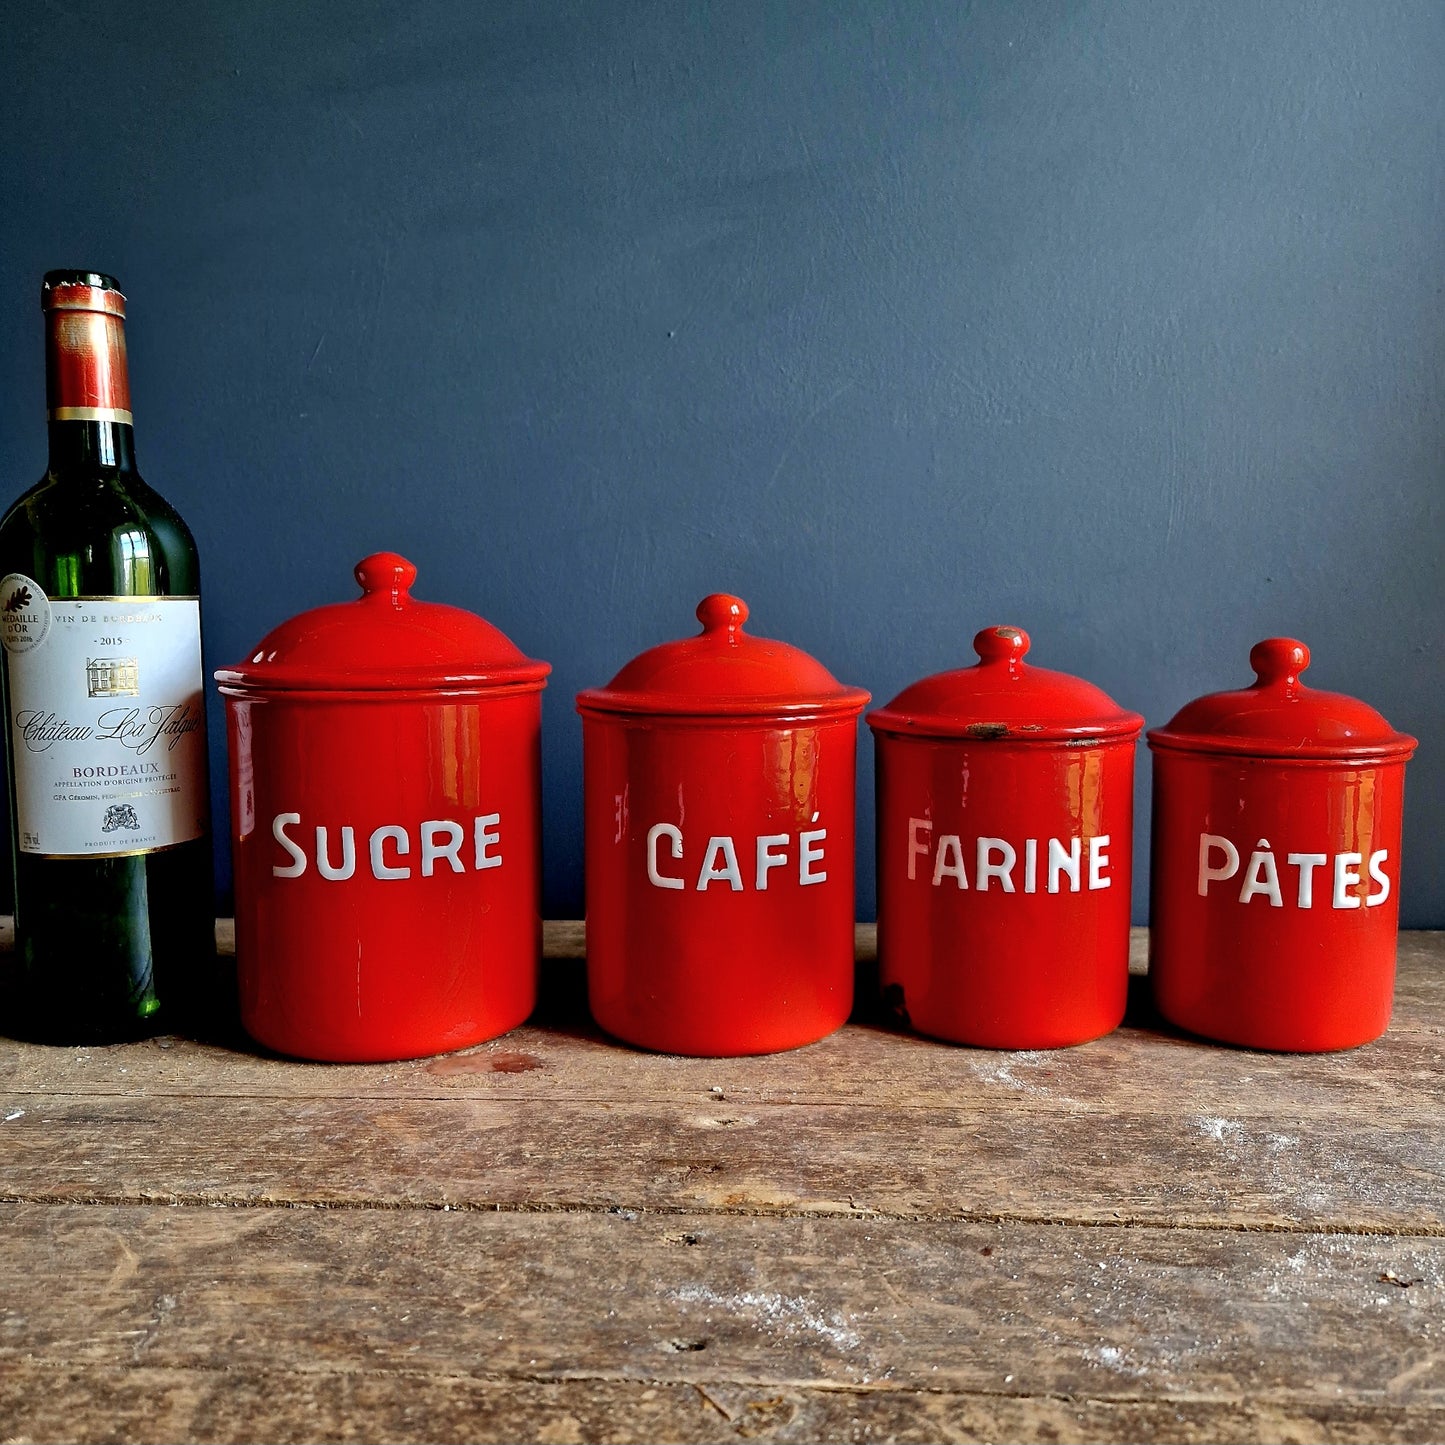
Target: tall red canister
<point>385,813</point>
<point>1275,865</point>
<point>1005,837</point>
<point>719,833</point>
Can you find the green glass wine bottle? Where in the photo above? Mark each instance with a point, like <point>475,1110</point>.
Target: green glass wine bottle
<point>105,736</point>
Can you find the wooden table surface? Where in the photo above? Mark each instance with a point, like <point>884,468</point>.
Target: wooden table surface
<point>555,1238</point>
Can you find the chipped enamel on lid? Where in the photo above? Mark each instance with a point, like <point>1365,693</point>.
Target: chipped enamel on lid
<point>1278,716</point>
<point>1002,698</point>
<point>724,671</point>
<point>384,641</point>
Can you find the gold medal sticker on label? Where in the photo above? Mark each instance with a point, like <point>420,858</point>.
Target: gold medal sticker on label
<point>24,613</point>
<point>90,413</point>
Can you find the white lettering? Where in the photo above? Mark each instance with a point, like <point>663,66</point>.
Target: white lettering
<point>1262,876</point>
<point>1098,861</point>
<point>917,849</point>
<point>808,855</point>
<point>348,855</point>
<point>441,839</point>
<point>767,859</point>
<point>1377,872</point>
<point>1306,863</point>
<point>674,837</point>
<point>488,832</point>
<point>1208,843</point>
<point>379,866</point>
<point>1061,862</point>
<point>1347,876</point>
<point>996,858</point>
<point>297,866</point>
<point>720,858</point>
<point>1219,859</point>
<point>431,849</point>
<point>949,846</point>
<point>1002,870</point>
<point>720,847</point>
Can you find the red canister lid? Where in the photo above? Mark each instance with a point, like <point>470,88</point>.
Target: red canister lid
<point>1002,697</point>
<point>385,641</point>
<point>1277,716</point>
<point>724,672</point>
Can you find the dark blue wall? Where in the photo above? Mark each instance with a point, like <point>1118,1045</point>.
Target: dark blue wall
<point>1122,320</point>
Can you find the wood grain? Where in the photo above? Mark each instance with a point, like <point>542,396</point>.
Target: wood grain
<point>1146,1067</point>
<point>555,1238</point>
<point>1138,1127</point>
<point>863,1066</point>
<point>1034,1310</point>
<point>144,1404</point>
<point>1010,1161</point>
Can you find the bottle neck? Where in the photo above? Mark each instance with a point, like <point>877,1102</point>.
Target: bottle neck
<point>86,446</point>
<point>87,382</point>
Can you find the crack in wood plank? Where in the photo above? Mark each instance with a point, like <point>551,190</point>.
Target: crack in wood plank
<point>862,1389</point>
<point>214,1202</point>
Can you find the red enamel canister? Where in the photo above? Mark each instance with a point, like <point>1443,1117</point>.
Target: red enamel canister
<point>719,832</point>
<point>1275,865</point>
<point>385,810</point>
<point>1005,833</point>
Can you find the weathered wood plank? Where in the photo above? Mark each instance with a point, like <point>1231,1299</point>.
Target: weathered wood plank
<point>863,1066</point>
<point>1140,1069</point>
<point>1348,1173</point>
<point>815,1264</point>
<point>145,1405</point>
<point>1029,1310</point>
<point>1139,1127</point>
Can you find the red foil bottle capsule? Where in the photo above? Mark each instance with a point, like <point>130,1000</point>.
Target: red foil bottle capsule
<point>719,831</point>
<point>385,813</point>
<point>1005,831</point>
<point>1275,864</point>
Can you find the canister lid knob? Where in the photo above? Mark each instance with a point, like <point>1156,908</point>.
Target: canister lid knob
<point>1279,659</point>
<point>386,574</point>
<point>1001,644</point>
<point>722,609</point>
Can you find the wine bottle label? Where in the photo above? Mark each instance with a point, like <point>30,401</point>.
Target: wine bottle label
<point>107,716</point>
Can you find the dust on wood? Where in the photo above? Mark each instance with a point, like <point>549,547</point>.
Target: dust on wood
<point>208,1401</point>
<point>552,1237</point>
<point>1054,1311</point>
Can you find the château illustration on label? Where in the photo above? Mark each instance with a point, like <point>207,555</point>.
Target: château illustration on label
<point>105,729</point>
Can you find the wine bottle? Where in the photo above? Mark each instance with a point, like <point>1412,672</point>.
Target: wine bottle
<point>105,736</point>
